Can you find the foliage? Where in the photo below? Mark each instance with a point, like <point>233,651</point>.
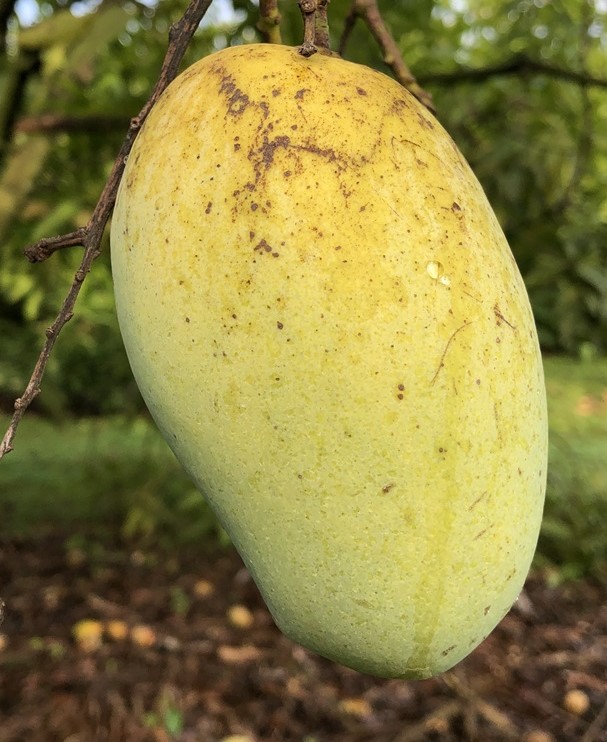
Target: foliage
<point>119,473</point>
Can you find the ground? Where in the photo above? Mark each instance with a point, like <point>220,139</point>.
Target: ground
<point>100,643</point>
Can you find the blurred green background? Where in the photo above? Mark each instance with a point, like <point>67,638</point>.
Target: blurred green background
<point>521,86</point>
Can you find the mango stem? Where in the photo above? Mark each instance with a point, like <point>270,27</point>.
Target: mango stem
<point>316,26</point>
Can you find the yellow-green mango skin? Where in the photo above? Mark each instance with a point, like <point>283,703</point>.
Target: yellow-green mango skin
<point>328,327</point>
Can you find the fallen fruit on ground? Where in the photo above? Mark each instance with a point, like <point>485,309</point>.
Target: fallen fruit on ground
<point>327,324</point>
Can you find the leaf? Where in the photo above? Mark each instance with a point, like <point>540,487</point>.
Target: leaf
<point>60,28</point>
<point>22,168</point>
<point>103,27</point>
<point>173,722</point>
<point>595,277</point>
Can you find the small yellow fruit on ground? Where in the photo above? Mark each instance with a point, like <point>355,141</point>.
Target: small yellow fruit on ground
<point>240,617</point>
<point>576,702</point>
<point>356,707</point>
<point>203,589</point>
<point>88,634</point>
<point>537,735</point>
<point>326,322</point>
<point>143,636</point>
<point>117,630</point>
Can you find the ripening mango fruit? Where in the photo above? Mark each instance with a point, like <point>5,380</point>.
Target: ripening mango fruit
<point>327,324</point>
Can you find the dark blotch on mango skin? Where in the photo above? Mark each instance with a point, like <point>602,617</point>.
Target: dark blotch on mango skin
<point>238,101</point>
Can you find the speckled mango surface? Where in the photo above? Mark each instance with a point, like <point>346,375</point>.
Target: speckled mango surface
<point>328,327</point>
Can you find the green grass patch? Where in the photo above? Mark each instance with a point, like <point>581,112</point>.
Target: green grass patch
<point>105,475</point>
<point>573,529</point>
<point>112,474</point>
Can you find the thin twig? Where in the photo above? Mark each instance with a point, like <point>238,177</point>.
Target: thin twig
<point>437,721</point>
<point>269,21</point>
<point>89,237</point>
<point>349,23</point>
<point>518,65</point>
<point>470,697</point>
<point>49,123</point>
<point>45,247</point>
<point>368,11</point>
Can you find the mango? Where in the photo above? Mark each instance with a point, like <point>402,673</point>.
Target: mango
<point>327,324</point>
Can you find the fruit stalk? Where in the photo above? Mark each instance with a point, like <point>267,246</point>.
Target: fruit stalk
<point>308,10</point>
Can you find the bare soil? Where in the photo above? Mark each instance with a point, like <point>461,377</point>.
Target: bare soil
<point>182,648</point>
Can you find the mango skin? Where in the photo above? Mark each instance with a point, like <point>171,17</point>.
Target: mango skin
<point>327,324</point>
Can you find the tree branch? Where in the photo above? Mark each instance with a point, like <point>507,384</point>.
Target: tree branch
<point>369,12</point>
<point>56,122</point>
<point>17,77</point>
<point>45,247</point>
<point>89,237</point>
<point>269,21</point>
<point>7,8</point>
<point>321,32</point>
<point>519,65</point>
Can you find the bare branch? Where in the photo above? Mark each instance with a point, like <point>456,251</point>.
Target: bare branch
<point>54,122</point>
<point>45,247</point>
<point>368,11</point>
<point>269,21</point>
<point>519,65</point>
<point>90,236</point>
<point>349,24</point>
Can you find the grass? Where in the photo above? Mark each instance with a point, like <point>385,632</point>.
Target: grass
<point>104,475</point>
<point>107,474</point>
<point>572,535</point>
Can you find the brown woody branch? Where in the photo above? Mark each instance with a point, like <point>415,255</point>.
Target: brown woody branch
<point>44,248</point>
<point>48,123</point>
<point>519,65</point>
<point>90,236</point>
<point>368,11</point>
<point>269,21</point>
